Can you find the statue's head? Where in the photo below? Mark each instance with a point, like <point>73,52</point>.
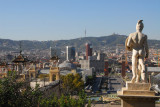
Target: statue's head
<point>139,26</point>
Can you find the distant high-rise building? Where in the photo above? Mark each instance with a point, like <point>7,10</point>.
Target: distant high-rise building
<point>70,53</point>
<point>98,65</point>
<point>55,52</point>
<point>88,50</point>
<point>101,56</point>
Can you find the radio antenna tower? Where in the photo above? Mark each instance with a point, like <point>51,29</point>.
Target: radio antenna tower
<point>20,47</point>
<point>85,32</point>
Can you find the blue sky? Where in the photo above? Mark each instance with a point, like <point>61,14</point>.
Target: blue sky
<point>68,19</point>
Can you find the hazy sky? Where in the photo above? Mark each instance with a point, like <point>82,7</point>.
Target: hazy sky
<point>68,19</point>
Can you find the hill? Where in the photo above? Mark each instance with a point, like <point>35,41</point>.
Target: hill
<point>97,42</point>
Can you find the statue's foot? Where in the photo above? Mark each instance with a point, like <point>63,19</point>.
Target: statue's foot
<point>137,80</point>
<point>133,80</point>
<point>143,81</point>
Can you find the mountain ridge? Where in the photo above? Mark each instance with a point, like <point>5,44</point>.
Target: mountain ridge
<point>79,43</point>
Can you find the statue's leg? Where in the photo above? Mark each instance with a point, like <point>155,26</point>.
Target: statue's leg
<point>141,62</point>
<point>134,66</point>
<point>138,73</point>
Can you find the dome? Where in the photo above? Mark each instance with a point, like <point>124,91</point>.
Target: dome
<point>66,64</point>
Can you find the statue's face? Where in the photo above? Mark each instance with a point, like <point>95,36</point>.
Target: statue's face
<point>139,27</point>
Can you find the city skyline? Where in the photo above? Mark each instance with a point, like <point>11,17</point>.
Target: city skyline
<point>56,20</point>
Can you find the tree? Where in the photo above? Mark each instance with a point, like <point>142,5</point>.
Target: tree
<point>52,101</point>
<point>14,94</point>
<point>65,101</point>
<point>89,80</point>
<point>72,83</point>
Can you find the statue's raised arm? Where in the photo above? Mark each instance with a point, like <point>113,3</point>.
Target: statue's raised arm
<point>128,43</point>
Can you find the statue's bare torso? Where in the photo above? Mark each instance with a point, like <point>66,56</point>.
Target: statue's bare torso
<point>137,41</point>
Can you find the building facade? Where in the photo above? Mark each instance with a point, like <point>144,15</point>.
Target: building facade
<point>98,64</point>
<point>88,50</point>
<point>70,53</point>
<point>55,52</point>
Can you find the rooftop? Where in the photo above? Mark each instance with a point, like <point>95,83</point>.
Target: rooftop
<point>153,69</point>
<point>20,58</point>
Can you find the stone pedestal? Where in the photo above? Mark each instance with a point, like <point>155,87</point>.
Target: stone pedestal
<point>137,95</point>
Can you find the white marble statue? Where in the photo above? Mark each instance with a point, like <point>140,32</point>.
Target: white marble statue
<point>137,43</point>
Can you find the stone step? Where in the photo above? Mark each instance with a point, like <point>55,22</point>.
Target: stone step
<point>124,88</point>
<point>119,93</point>
<point>138,86</point>
<point>138,93</point>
